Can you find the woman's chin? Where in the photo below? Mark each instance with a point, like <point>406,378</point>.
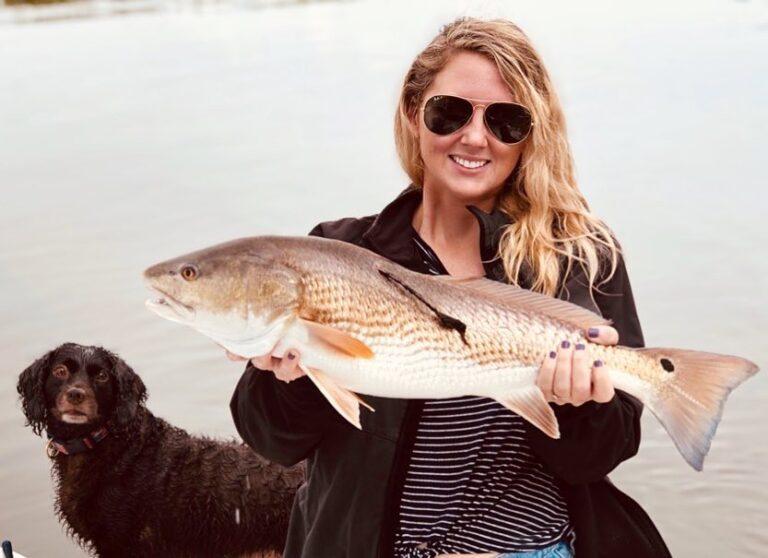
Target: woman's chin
<point>472,192</point>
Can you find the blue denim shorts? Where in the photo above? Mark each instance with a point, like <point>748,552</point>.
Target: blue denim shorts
<point>559,550</point>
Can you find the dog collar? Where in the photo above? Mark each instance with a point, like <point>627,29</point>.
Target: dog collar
<point>75,445</point>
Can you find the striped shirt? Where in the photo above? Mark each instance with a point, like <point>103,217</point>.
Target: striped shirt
<point>473,484</point>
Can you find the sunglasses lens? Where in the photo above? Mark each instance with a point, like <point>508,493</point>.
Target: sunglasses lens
<point>444,114</point>
<point>510,123</point>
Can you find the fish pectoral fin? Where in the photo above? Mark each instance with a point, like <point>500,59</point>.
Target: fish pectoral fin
<point>336,340</point>
<point>346,402</point>
<point>530,404</point>
<point>362,402</point>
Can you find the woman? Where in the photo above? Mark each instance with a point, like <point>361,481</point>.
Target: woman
<point>480,133</point>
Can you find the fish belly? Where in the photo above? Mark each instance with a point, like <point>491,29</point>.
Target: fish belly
<point>421,375</point>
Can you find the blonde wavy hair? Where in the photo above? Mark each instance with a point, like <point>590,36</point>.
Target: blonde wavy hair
<point>552,228</point>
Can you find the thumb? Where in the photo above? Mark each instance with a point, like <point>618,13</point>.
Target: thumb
<point>603,335</point>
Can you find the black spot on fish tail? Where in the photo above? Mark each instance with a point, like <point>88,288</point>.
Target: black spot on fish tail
<point>446,321</point>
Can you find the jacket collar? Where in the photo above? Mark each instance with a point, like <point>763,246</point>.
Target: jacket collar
<point>391,234</point>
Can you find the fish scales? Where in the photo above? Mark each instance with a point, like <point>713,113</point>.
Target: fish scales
<point>364,325</point>
<point>496,340</point>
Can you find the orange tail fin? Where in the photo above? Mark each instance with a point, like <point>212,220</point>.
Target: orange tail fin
<point>691,404</point>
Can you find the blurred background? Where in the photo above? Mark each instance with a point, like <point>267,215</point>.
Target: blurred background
<point>133,131</point>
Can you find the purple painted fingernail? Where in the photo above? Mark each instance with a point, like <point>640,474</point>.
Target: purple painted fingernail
<point>593,332</point>
<point>580,346</point>
<point>552,354</point>
<point>598,363</point>
<point>565,344</point>
<point>290,355</point>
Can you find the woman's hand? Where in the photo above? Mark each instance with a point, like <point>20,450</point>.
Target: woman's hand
<point>285,369</point>
<point>568,376</point>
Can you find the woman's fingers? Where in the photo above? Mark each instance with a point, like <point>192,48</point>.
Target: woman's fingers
<point>581,376</point>
<point>568,375</point>
<point>602,385</point>
<point>546,375</point>
<point>263,362</point>
<point>561,383</point>
<point>285,369</point>
<point>603,335</point>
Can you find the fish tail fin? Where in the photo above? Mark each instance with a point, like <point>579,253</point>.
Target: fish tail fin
<point>690,404</point>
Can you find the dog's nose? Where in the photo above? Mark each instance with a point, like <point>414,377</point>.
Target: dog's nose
<point>76,396</point>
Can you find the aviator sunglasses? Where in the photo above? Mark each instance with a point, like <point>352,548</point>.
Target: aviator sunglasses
<point>510,123</point>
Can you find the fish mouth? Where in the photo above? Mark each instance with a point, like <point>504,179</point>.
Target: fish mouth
<point>170,308</point>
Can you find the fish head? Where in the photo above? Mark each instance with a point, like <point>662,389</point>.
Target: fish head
<point>241,294</point>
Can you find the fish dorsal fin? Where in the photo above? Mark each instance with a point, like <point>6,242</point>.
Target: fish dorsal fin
<point>522,299</point>
<point>346,402</point>
<point>337,340</point>
<point>530,404</point>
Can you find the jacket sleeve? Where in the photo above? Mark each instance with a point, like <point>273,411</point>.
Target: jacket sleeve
<point>282,421</point>
<point>597,437</point>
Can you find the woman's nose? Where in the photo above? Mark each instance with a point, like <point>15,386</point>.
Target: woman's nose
<point>474,133</point>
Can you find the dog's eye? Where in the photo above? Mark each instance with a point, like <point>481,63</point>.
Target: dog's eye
<point>101,376</point>
<point>189,272</point>
<point>60,371</point>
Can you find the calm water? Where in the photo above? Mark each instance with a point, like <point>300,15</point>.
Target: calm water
<point>132,132</point>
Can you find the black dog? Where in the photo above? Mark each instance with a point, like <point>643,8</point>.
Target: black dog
<point>130,484</point>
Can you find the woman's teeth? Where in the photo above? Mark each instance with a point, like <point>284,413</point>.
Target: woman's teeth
<point>467,164</point>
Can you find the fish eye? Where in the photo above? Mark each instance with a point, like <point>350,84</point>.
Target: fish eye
<point>667,365</point>
<point>189,272</point>
<point>60,371</point>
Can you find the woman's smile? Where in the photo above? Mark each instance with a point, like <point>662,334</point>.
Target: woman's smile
<point>469,163</point>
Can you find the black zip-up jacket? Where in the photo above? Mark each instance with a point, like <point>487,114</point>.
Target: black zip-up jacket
<point>349,505</point>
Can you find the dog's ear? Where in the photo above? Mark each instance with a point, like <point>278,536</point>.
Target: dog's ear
<point>131,392</point>
<point>31,388</point>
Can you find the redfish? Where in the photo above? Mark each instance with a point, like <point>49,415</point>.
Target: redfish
<point>367,326</point>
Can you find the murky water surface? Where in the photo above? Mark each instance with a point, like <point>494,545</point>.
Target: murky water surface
<point>134,131</point>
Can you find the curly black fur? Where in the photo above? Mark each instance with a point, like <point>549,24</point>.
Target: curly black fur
<point>150,489</point>
<point>31,388</point>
